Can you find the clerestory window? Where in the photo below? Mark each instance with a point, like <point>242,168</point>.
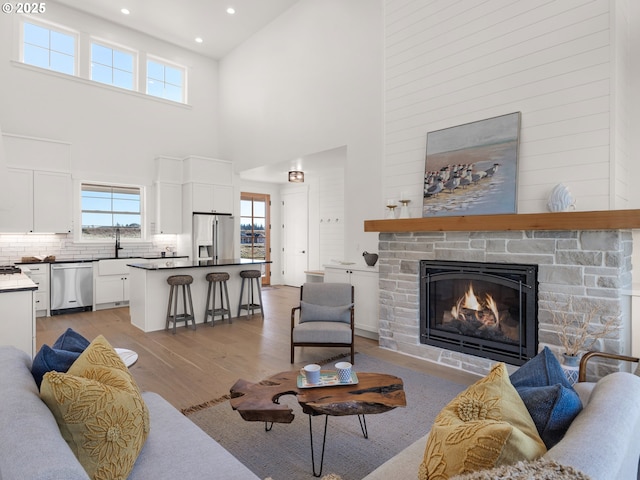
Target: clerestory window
<point>112,66</point>
<point>166,81</point>
<point>49,48</point>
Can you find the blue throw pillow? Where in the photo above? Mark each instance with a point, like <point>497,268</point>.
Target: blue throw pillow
<point>549,397</point>
<point>71,341</point>
<point>66,349</point>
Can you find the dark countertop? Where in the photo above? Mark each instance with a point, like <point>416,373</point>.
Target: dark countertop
<point>120,257</point>
<point>16,282</point>
<point>172,264</point>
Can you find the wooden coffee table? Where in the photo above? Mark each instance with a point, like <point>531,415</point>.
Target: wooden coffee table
<point>259,402</point>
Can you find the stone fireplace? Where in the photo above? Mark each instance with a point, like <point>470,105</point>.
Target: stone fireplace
<point>485,309</point>
<point>592,267</point>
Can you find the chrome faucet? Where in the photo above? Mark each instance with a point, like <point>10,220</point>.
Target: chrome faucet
<point>118,247</point>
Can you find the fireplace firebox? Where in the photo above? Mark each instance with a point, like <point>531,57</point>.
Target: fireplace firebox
<point>484,309</point>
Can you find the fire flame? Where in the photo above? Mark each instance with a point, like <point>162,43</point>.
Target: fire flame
<point>470,302</point>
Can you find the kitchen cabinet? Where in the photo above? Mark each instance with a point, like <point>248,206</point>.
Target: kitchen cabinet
<point>168,208</point>
<point>204,197</point>
<point>52,202</point>
<point>39,202</point>
<point>111,282</point>
<point>18,324</point>
<point>112,289</point>
<point>39,274</point>
<point>207,170</point>
<point>17,215</point>
<point>365,292</point>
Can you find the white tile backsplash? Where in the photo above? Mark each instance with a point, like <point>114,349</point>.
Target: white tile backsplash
<point>15,246</point>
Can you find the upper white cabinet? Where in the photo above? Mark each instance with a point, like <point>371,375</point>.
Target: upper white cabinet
<point>16,215</point>
<point>207,170</point>
<point>205,197</point>
<point>208,185</point>
<point>52,205</point>
<point>168,207</point>
<point>38,201</point>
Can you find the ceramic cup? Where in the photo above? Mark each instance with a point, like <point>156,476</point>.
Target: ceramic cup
<point>312,373</point>
<point>344,372</point>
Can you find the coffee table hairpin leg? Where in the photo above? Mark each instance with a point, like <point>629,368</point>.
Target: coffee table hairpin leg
<point>324,438</point>
<point>363,427</point>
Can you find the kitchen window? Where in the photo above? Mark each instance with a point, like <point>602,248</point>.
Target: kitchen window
<point>165,81</point>
<point>49,48</point>
<point>112,66</point>
<point>106,208</point>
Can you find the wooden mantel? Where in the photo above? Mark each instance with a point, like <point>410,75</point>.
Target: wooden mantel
<point>595,220</point>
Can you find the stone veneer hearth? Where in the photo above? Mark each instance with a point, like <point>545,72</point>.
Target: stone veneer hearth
<point>591,266</point>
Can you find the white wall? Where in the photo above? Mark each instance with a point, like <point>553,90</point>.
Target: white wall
<point>309,82</point>
<point>114,135</point>
<point>556,62</point>
<point>111,134</point>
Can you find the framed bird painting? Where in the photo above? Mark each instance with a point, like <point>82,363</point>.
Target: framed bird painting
<point>472,169</point>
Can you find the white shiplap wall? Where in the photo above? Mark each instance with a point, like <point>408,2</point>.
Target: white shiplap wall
<point>452,62</point>
<point>331,209</point>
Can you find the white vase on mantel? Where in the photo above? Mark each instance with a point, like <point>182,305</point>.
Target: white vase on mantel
<point>560,199</point>
<point>571,367</point>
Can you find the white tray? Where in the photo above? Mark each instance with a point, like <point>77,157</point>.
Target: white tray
<point>328,378</point>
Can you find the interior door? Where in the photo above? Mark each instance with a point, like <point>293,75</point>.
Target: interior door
<point>295,236</point>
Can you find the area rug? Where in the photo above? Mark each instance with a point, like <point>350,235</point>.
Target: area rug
<point>284,453</point>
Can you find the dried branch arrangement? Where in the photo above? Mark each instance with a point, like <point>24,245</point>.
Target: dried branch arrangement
<point>576,330</point>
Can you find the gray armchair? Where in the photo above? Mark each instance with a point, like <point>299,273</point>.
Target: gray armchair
<point>325,317</point>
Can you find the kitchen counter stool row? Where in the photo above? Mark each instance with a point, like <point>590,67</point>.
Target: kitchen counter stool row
<point>216,281</point>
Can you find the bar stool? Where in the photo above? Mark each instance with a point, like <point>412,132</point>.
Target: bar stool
<point>217,278</point>
<point>250,275</point>
<point>177,281</point>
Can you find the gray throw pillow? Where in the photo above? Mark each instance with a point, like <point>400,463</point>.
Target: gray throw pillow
<point>310,312</point>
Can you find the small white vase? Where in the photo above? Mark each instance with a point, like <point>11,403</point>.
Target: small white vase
<point>571,367</point>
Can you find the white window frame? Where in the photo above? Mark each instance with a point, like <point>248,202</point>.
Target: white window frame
<point>166,63</point>
<point>59,29</point>
<point>143,213</point>
<point>116,47</point>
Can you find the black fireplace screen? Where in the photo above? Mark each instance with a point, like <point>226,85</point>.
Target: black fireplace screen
<point>484,309</point>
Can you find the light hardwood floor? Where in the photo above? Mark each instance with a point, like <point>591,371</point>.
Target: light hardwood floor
<point>194,367</point>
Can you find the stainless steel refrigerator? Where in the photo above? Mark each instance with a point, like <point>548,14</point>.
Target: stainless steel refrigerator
<point>212,236</point>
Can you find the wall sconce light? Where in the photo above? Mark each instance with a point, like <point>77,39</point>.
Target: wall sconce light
<point>296,176</point>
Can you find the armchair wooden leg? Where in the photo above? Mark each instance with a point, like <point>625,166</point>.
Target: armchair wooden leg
<point>292,347</point>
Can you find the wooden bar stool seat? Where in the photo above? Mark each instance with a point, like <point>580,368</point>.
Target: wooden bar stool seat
<point>217,278</point>
<point>176,282</point>
<point>252,277</point>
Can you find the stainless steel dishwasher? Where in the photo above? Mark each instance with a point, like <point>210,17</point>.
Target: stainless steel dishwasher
<point>71,287</point>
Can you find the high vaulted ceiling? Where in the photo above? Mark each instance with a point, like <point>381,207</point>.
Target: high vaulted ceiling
<point>181,21</point>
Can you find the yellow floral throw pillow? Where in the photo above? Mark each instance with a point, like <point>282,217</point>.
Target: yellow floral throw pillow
<point>100,411</point>
<point>485,426</point>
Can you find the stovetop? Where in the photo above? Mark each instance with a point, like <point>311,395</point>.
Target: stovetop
<point>8,269</point>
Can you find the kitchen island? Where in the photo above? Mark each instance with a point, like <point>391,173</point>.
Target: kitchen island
<point>18,322</point>
<point>149,291</point>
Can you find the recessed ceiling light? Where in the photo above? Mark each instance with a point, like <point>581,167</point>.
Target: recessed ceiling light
<point>125,11</point>
<point>198,40</point>
<point>231,10</point>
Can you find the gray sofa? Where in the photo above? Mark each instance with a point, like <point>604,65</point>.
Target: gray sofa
<point>31,446</point>
<point>603,441</point>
